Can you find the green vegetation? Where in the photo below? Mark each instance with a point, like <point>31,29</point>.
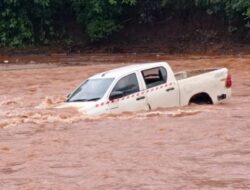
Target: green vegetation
<point>40,22</point>
<point>100,18</point>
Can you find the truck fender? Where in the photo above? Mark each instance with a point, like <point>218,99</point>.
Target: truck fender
<point>201,98</point>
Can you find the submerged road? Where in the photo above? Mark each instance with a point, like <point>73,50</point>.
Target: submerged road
<point>194,147</point>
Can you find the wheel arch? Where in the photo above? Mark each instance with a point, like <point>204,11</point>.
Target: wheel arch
<point>201,98</point>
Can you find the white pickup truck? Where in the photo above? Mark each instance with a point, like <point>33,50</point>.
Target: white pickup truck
<point>149,86</point>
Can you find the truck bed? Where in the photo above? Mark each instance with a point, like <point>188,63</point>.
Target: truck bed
<point>186,74</point>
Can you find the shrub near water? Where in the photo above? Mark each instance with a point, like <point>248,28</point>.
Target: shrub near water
<point>32,22</point>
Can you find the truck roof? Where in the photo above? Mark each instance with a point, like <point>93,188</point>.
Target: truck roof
<point>126,70</point>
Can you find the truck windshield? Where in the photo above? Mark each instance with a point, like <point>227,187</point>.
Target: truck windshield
<point>91,90</point>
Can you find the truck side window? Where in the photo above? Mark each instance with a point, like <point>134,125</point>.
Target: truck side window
<point>127,85</point>
<point>154,77</point>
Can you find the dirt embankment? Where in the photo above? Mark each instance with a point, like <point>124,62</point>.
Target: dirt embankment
<point>199,34</point>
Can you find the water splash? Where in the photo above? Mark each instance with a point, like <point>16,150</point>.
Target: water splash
<point>50,102</point>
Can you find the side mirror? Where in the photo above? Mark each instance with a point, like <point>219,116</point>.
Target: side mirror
<point>115,95</point>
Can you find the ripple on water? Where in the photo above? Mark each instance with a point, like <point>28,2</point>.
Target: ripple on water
<point>46,112</point>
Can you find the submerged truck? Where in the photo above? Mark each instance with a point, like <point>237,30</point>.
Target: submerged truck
<point>149,86</point>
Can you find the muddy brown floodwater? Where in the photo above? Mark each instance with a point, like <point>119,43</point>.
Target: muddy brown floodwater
<point>195,147</point>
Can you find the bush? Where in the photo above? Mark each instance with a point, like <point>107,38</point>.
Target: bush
<point>40,22</point>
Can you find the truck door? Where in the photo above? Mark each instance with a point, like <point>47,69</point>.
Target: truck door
<point>126,95</point>
<point>161,89</point>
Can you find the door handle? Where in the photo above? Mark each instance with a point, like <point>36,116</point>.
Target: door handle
<point>169,89</point>
<point>140,98</point>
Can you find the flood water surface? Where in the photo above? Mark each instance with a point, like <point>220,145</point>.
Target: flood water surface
<point>193,147</point>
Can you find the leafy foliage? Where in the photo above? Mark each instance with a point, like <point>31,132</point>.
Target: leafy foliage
<point>100,17</point>
<point>28,22</point>
<point>31,22</point>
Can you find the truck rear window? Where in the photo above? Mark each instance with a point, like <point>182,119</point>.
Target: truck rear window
<point>154,77</point>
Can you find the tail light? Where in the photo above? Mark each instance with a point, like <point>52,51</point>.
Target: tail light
<point>228,83</point>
